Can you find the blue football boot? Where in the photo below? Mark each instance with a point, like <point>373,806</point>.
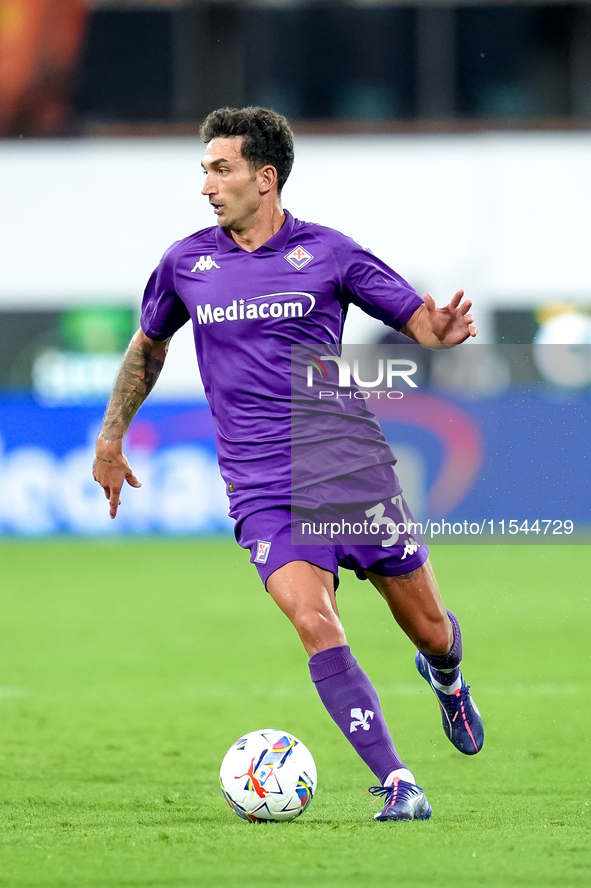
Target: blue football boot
<point>461,719</point>
<point>403,801</point>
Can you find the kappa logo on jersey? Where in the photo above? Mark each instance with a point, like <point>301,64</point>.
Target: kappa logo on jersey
<point>204,263</point>
<point>263,549</point>
<point>299,257</point>
<point>361,719</point>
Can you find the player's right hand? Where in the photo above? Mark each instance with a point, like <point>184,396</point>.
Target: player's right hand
<point>111,470</point>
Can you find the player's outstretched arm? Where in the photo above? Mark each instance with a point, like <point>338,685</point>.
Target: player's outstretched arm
<point>441,327</point>
<point>137,376</point>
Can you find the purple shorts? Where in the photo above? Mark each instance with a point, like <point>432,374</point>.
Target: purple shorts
<point>382,537</point>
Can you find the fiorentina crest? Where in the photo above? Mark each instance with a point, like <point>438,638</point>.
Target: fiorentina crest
<point>299,257</point>
<point>263,549</point>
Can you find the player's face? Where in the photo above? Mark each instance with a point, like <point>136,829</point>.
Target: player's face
<point>230,184</point>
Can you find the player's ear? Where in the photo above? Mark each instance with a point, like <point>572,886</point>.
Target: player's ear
<point>267,178</point>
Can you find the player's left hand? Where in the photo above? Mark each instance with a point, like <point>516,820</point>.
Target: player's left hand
<point>452,324</point>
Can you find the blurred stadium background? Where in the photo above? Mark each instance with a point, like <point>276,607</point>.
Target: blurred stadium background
<point>453,138</point>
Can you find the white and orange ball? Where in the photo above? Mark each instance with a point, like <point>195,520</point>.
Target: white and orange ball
<point>268,775</point>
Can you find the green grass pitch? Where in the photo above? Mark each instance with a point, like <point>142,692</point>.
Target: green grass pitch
<point>128,668</point>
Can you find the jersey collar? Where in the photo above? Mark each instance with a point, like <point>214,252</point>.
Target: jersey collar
<point>278,242</point>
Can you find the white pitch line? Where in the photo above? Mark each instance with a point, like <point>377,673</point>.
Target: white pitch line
<point>8,692</point>
<point>406,689</point>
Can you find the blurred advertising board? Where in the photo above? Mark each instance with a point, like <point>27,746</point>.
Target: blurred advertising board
<point>491,441</point>
<point>46,483</point>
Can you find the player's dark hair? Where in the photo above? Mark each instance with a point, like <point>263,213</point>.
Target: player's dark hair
<point>267,137</point>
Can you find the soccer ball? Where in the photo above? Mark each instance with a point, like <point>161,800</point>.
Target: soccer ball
<point>268,775</point>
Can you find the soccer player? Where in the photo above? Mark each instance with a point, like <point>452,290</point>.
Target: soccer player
<point>253,285</point>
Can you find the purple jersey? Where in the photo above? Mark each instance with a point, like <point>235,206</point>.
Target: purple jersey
<point>248,310</point>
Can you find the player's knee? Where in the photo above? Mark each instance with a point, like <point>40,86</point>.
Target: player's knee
<point>435,639</point>
<point>319,629</point>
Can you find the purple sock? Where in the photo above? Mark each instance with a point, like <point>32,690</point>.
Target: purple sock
<point>446,669</point>
<point>352,702</point>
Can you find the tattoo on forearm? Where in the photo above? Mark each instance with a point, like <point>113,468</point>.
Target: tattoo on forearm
<point>136,379</point>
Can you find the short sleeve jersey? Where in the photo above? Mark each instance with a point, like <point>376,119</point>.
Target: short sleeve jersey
<point>247,310</point>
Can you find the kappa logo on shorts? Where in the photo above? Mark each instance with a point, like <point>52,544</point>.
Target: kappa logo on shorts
<point>263,549</point>
<point>410,547</point>
<point>299,257</point>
